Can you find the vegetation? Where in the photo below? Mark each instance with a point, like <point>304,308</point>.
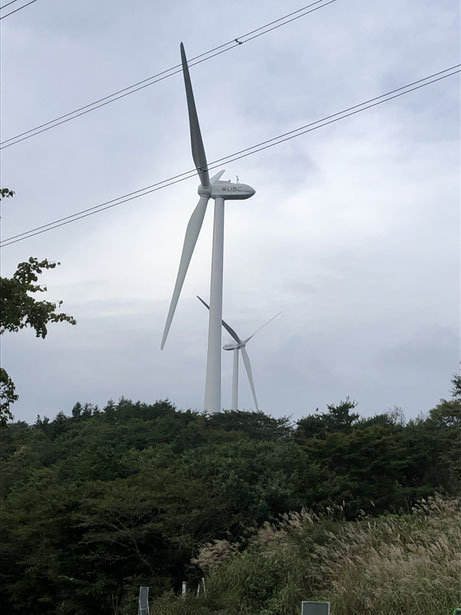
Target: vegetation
<point>384,566</point>
<point>97,503</point>
<point>19,309</point>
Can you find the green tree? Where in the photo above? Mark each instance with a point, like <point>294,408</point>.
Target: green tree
<point>20,309</point>
<point>443,427</point>
<point>98,501</point>
<point>338,419</point>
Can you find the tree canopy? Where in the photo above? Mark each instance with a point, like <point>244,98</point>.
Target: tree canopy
<point>99,501</point>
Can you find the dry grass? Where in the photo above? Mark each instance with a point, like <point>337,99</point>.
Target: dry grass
<point>214,554</point>
<point>408,565</point>
<point>395,566</point>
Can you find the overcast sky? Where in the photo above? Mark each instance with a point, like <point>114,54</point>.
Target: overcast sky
<point>353,233</point>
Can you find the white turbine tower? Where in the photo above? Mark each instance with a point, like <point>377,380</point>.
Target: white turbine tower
<point>239,346</point>
<point>219,191</point>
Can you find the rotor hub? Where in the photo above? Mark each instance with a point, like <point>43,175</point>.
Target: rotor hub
<point>204,191</point>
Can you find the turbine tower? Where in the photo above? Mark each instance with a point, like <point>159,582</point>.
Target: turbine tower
<point>239,346</point>
<point>220,191</point>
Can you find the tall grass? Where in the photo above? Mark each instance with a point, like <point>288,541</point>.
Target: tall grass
<point>393,565</point>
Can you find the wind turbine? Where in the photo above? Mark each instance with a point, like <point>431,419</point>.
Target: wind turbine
<point>220,191</point>
<point>239,346</point>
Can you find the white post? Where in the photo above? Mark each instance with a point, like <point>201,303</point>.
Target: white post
<point>213,368</point>
<point>235,380</point>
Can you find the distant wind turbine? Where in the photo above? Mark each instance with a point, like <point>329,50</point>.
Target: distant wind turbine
<point>219,191</point>
<point>239,346</point>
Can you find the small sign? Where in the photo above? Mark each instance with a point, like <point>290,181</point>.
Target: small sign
<point>315,608</point>
<point>143,604</point>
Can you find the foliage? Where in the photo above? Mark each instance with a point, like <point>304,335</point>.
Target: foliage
<point>391,565</point>
<point>337,419</point>
<point>5,193</point>
<point>19,309</point>
<point>103,500</point>
<point>8,396</point>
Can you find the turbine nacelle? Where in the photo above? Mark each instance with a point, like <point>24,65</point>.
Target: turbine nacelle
<point>226,190</point>
<point>230,190</point>
<point>233,346</point>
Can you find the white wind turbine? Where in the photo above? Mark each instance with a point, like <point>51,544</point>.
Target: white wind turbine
<point>239,346</point>
<point>219,191</point>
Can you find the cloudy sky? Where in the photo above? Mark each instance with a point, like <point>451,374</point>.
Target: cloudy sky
<point>353,233</point>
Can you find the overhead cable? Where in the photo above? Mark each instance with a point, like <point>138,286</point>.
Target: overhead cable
<point>7,4</point>
<point>165,74</point>
<point>249,151</point>
<point>15,10</point>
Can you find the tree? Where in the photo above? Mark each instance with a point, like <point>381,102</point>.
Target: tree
<point>448,412</point>
<point>456,388</point>
<point>19,309</point>
<point>338,419</point>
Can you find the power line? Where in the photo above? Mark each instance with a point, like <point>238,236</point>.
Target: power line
<point>15,10</point>
<point>242,153</point>
<point>165,74</point>
<point>263,145</point>
<point>7,4</point>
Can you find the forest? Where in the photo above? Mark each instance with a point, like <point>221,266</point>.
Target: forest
<point>249,508</point>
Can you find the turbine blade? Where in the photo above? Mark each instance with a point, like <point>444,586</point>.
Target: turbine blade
<point>190,239</point>
<point>246,361</point>
<point>224,323</point>
<point>262,327</point>
<point>198,151</point>
<point>216,177</point>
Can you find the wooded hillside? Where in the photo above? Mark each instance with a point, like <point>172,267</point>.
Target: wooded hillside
<point>97,503</point>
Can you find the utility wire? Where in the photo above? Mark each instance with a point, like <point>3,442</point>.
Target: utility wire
<point>15,10</point>
<point>165,74</point>
<point>7,4</point>
<point>263,145</point>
